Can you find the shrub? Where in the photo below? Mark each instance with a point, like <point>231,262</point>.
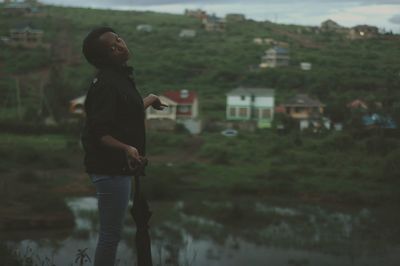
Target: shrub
<point>391,168</point>
<point>28,176</point>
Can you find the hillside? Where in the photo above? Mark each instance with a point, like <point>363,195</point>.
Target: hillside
<point>211,63</point>
<point>349,167</point>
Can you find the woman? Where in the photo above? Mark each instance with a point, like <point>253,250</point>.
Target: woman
<point>114,134</point>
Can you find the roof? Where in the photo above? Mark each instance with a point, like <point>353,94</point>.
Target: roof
<point>357,103</point>
<point>303,100</point>
<point>365,27</point>
<point>214,19</point>
<point>252,91</point>
<point>176,96</point>
<point>167,101</point>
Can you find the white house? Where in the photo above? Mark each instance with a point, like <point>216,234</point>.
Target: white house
<point>26,36</point>
<point>183,108</point>
<point>168,112</point>
<point>187,33</point>
<point>213,23</point>
<point>251,104</point>
<point>144,28</point>
<point>275,57</point>
<point>305,66</point>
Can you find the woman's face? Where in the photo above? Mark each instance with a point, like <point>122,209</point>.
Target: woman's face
<point>115,48</point>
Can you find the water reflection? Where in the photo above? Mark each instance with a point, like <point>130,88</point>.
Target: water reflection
<point>237,233</point>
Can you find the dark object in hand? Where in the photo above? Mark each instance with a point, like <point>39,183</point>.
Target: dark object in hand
<point>138,167</point>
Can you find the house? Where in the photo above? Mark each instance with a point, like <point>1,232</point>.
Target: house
<point>252,105</point>
<point>213,23</point>
<point>144,28</point>
<point>306,110</point>
<point>270,41</point>
<point>305,66</point>
<point>196,13</point>
<point>258,40</point>
<point>363,32</point>
<point>357,104</point>
<point>375,120</point>
<point>187,103</point>
<point>162,119</point>
<point>235,17</point>
<point>26,36</point>
<point>187,109</point>
<point>17,8</point>
<point>302,106</point>
<point>330,25</point>
<point>167,113</point>
<point>187,33</point>
<point>275,57</point>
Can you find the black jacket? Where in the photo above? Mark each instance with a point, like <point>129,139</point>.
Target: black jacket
<point>113,107</point>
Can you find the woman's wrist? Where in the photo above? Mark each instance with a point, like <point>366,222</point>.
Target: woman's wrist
<point>128,147</point>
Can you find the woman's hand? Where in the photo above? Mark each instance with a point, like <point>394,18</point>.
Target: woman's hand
<point>133,157</point>
<point>156,102</point>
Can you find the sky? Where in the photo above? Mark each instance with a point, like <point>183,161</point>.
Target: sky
<point>384,14</point>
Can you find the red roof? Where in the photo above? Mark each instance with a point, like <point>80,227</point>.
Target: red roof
<point>357,104</point>
<point>176,97</point>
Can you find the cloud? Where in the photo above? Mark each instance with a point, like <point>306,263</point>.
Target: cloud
<point>200,2</point>
<point>395,19</point>
<point>217,2</point>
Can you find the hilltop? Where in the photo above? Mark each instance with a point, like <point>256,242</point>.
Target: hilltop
<point>212,63</point>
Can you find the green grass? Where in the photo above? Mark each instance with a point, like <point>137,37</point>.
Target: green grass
<point>266,164</point>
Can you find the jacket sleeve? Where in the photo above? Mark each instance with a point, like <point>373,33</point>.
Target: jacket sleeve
<point>102,106</point>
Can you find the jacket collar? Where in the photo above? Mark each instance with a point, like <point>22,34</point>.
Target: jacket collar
<point>125,70</point>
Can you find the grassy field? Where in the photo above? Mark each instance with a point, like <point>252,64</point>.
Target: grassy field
<point>332,167</point>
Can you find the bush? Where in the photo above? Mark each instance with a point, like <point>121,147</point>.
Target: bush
<point>391,168</point>
<point>8,257</point>
<point>28,155</point>
<point>28,176</point>
<point>339,141</point>
<point>380,145</point>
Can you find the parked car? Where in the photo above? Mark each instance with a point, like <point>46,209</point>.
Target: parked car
<point>229,132</point>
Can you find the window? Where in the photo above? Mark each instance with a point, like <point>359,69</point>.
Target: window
<point>243,112</point>
<point>242,97</point>
<point>232,111</point>
<point>253,98</point>
<point>183,109</point>
<point>298,109</point>
<point>265,113</point>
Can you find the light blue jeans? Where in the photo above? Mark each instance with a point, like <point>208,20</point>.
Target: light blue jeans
<point>113,194</point>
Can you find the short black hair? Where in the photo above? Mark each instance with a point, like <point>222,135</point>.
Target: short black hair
<point>92,50</point>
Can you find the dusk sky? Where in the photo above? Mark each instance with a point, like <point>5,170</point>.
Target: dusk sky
<point>380,13</point>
